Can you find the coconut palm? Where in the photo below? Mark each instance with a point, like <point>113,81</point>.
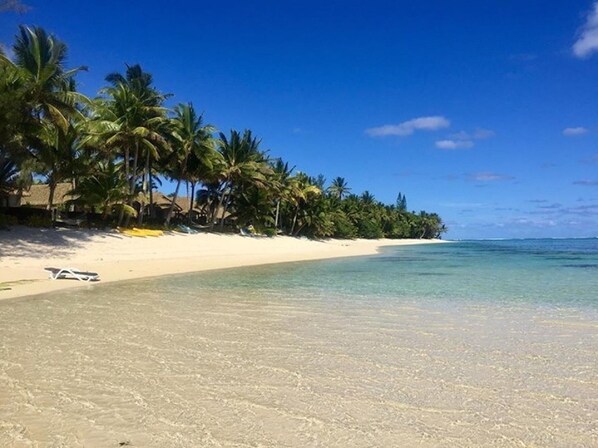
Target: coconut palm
<point>58,155</point>
<point>39,60</point>
<point>208,198</point>
<point>9,172</point>
<point>339,187</point>
<point>130,120</point>
<point>301,191</point>
<point>254,206</point>
<point>105,189</point>
<point>190,136</point>
<point>16,120</point>
<point>241,163</point>
<point>282,174</point>
<point>367,198</point>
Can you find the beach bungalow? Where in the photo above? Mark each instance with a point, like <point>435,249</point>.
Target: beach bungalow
<point>37,196</point>
<point>182,208</point>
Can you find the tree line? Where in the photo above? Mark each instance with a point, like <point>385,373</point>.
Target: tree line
<point>115,149</point>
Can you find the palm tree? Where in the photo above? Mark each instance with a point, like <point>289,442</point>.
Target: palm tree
<point>39,60</point>
<point>190,136</point>
<point>241,163</point>
<point>58,156</point>
<point>302,190</point>
<point>282,174</point>
<point>254,206</point>
<point>367,198</point>
<point>208,199</point>
<point>9,172</point>
<point>339,188</point>
<point>131,119</point>
<point>16,120</point>
<point>106,188</point>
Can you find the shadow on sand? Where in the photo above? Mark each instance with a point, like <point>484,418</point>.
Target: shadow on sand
<point>36,242</point>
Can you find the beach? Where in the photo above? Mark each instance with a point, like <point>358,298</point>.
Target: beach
<point>470,344</point>
<point>25,252</point>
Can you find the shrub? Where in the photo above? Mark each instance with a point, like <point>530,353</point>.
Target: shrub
<point>270,232</point>
<point>343,227</point>
<point>7,220</point>
<point>38,221</point>
<point>370,229</point>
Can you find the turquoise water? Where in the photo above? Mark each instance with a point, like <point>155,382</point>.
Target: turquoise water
<point>469,344</point>
<point>544,271</point>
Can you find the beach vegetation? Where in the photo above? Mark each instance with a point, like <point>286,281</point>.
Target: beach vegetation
<point>115,150</point>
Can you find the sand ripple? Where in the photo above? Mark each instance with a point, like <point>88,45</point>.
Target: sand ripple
<point>150,364</point>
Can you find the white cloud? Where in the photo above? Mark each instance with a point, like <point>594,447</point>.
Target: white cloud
<point>489,177</point>
<point>482,134</point>
<point>586,183</point>
<point>464,140</point>
<point>454,144</point>
<point>587,42</point>
<point>572,132</point>
<point>409,127</point>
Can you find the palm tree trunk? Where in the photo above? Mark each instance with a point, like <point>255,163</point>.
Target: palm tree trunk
<point>299,229</point>
<point>223,206</point>
<point>171,208</point>
<point>220,205</point>
<point>277,214</point>
<point>152,209</point>
<point>191,202</point>
<point>134,173</point>
<point>294,220</point>
<point>146,179</point>
<point>127,157</point>
<point>52,186</point>
<point>133,181</point>
<point>73,186</point>
<point>121,214</point>
<point>142,200</point>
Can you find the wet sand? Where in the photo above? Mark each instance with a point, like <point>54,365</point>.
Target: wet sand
<point>24,252</point>
<point>159,364</point>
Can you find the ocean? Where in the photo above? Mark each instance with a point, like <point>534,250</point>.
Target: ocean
<point>471,343</point>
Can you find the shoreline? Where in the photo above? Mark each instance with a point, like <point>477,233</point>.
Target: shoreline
<point>24,252</point>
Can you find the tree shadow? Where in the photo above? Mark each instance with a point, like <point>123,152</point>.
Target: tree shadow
<point>22,242</point>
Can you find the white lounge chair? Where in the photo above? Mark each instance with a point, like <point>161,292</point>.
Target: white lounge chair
<point>72,274</point>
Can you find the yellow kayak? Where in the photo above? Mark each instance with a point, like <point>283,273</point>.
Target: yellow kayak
<point>141,232</point>
<point>148,232</point>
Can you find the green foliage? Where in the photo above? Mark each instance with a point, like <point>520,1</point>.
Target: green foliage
<point>269,232</point>
<point>339,188</point>
<point>7,221</point>
<point>368,228</point>
<point>343,227</point>
<point>38,221</point>
<point>126,209</point>
<point>401,202</point>
<point>115,148</point>
<point>105,189</point>
<point>9,172</point>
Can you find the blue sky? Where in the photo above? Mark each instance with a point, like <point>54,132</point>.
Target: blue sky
<point>485,112</point>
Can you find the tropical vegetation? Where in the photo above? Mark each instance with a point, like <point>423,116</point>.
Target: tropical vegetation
<point>115,149</point>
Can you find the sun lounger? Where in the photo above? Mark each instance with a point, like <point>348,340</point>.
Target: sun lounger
<point>185,229</point>
<point>245,232</point>
<point>72,274</point>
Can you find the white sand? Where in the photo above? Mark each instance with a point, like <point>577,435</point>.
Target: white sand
<point>25,252</point>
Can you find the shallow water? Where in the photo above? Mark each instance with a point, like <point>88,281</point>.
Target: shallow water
<point>468,344</point>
